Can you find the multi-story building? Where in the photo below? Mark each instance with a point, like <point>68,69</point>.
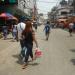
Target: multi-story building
<point>18,7</point>
<point>72,12</point>
<point>52,15</point>
<point>27,6</point>
<point>70,2</point>
<point>62,11</point>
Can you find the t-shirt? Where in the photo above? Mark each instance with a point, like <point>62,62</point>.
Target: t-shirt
<point>29,38</point>
<point>20,28</point>
<point>47,27</point>
<point>71,25</point>
<point>15,28</point>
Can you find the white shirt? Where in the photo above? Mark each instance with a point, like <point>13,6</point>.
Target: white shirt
<point>20,28</point>
<point>14,28</point>
<point>71,25</point>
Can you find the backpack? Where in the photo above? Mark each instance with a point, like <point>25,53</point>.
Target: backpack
<point>47,28</point>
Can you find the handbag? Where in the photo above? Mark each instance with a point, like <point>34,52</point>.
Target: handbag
<point>38,53</point>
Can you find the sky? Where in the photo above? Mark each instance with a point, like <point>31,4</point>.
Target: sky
<point>45,6</point>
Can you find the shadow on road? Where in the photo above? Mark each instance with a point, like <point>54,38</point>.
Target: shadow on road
<point>7,38</point>
<point>20,61</point>
<point>72,50</point>
<point>34,64</point>
<point>73,61</point>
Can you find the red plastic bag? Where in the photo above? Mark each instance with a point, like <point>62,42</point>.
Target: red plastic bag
<point>38,53</point>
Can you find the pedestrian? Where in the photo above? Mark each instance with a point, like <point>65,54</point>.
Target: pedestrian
<point>5,31</point>
<point>14,32</point>
<point>20,27</point>
<point>47,30</point>
<point>71,28</point>
<point>35,25</point>
<point>28,36</point>
<point>74,26</point>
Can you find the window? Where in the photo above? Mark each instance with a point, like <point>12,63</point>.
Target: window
<point>64,13</point>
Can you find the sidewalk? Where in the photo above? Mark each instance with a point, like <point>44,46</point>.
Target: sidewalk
<point>5,43</point>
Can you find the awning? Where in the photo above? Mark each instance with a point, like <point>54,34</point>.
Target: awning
<point>61,20</point>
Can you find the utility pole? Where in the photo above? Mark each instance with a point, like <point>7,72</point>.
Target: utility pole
<point>34,10</point>
<point>74,6</point>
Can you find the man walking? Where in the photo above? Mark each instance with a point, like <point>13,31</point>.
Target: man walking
<point>20,27</point>
<point>5,32</point>
<point>47,30</point>
<point>71,28</point>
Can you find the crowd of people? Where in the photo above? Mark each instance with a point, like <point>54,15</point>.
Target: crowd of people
<point>25,34</point>
<point>70,26</point>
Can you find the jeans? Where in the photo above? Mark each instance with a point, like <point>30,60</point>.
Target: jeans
<point>28,53</point>
<point>21,43</point>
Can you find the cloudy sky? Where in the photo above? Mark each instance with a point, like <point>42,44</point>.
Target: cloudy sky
<point>44,6</point>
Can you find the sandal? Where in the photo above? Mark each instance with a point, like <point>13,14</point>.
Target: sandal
<point>24,66</point>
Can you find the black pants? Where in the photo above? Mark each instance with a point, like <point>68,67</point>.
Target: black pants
<point>70,30</point>
<point>47,35</point>
<point>28,53</point>
<point>22,43</point>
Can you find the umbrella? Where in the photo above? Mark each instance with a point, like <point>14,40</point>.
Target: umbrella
<point>5,15</point>
<point>8,16</point>
<point>61,20</point>
<point>13,18</point>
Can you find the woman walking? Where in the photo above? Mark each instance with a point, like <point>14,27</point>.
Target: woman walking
<point>14,32</point>
<point>28,36</point>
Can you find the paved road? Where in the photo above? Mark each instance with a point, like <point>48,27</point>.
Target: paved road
<point>58,55</point>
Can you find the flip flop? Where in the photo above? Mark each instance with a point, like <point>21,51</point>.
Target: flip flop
<point>24,66</point>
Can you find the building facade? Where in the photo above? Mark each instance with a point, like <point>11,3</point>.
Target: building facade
<point>61,12</point>
<point>70,2</point>
<point>27,6</point>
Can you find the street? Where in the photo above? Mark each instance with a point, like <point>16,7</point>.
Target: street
<point>58,55</point>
